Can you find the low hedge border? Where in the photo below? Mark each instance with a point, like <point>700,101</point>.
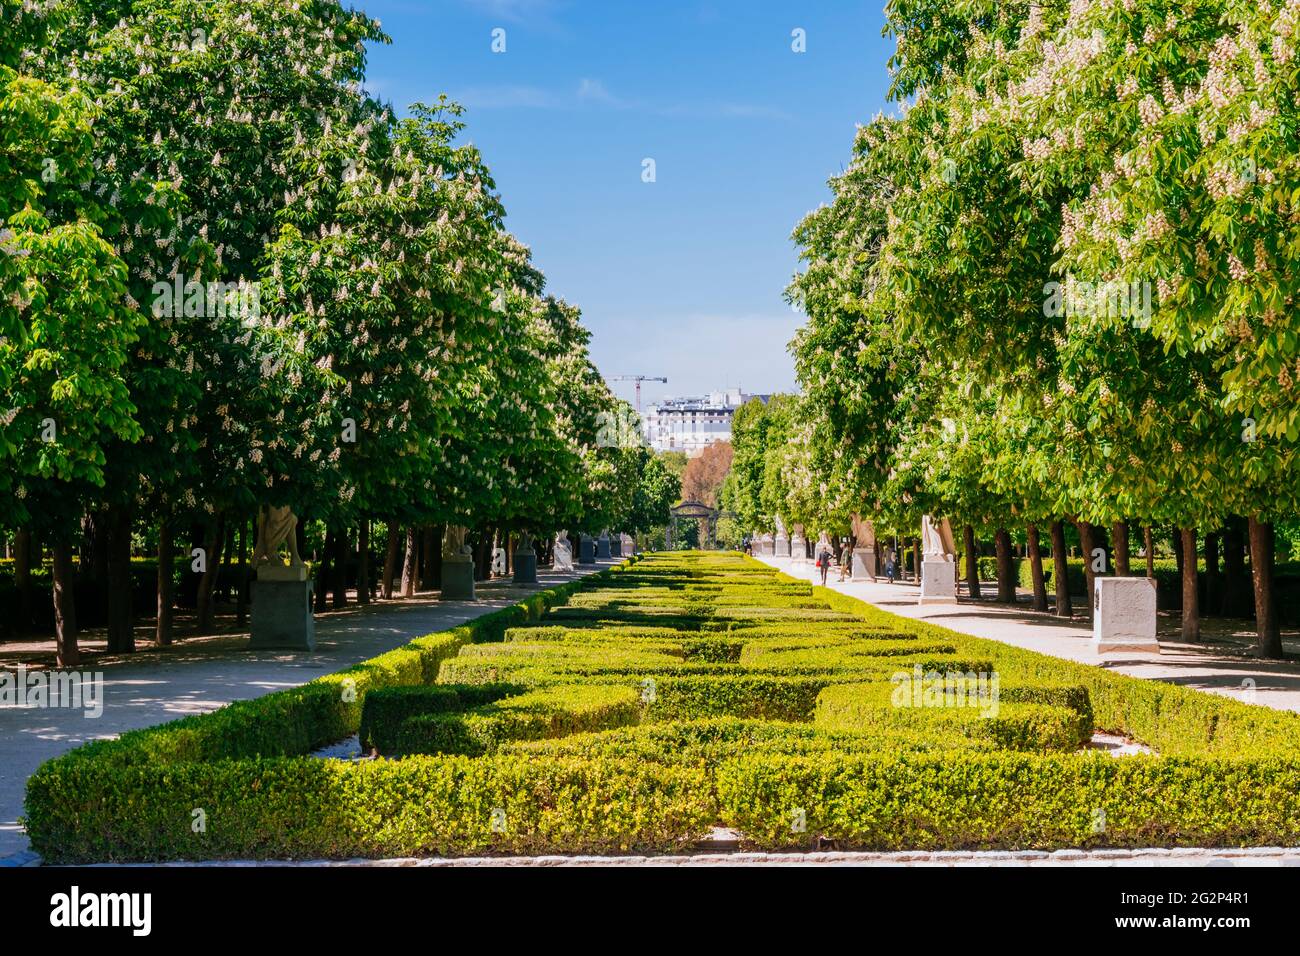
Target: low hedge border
<point>284,724</point>
<point>954,800</point>
<point>534,715</point>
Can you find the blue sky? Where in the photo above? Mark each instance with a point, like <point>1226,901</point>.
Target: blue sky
<point>681,277</point>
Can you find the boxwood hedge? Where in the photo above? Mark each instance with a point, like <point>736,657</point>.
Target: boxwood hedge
<point>636,708</point>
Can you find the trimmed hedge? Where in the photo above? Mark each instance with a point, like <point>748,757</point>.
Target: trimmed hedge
<point>303,808</point>
<point>289,723</point>
<point>547,712</point>
<point>1029,726</point>
<point>901,800</point>
<point>635,708</point>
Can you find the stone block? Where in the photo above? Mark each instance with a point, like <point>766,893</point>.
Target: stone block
<point>864,564</point>
<point>602,548</point>
<point>1124,615</point>
<point>281,615</point>
<point>457,579</point>
<point>586,550</point>
<point>525,567</point>
<point>782,546</point>
<point>938,582</point>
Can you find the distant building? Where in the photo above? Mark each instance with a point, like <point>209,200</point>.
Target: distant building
<point>692,424</point>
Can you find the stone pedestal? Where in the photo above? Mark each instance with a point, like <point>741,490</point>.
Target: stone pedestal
<point>525,567</point>
<point>281,614</point>
<point>602,548</point>
<point>864,564</point>
<point>457,578</point>
<point>798,549</point>
<point>938,582</point>
<point>615,546</point>
<point>586,550</point>
<point>782,545</point>
<point>1124,615</point>
<point>629,544</point>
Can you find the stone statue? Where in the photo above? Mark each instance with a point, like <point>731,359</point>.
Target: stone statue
<point>276,526</point>
<point>498,560</point>
<point>563,553</point>
<point>780,525</point>
<point>453,543</point>
<point>864,533</point>
<point>937,543</point>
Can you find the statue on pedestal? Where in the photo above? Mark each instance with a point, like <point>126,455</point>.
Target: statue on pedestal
<point>938,562</point>
<point>457,566</point>
<point>563,553</point>
<point>864,548</point>
<point>282,594</point>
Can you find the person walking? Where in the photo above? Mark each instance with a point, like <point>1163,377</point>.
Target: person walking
<point>890,566</point>
<point>846,562</point>
<point>823,564</point>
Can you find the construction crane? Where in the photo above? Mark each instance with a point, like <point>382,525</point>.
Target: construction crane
<point>639,379</point>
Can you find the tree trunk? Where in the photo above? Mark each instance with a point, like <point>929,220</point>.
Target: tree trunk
<point>1036,567</point>
<point>1149,547</point>
<point>1119,533</point>
<point>1213,579</point>
<point>916,558</point>
<point>339,578</point>
<point>409,569</point>
<point>93,569</point>
<point>1191,630</point>
<point>1060,567</point>
<point>121,632</point>
<point>23,578</point>
<point>207,584</point>
<point>323,572</point>
<point>1269,642</point>
<point>435,570</point>
<point>972,562</point>
<point>1233,586</point>
<point>430,544</point>
<point>65,609</point>
<point>166,583</point>
<point>390,560</point>
<point>1089,575</point>
<point>363,562</point>
<point>1006,567</point>
<point>241,598</point>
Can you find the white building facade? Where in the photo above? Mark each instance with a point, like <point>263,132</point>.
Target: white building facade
<point>693,424</point>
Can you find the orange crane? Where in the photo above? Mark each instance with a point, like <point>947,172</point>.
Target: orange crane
<point>639,379</point>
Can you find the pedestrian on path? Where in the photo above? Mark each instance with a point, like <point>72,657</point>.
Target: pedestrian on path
<point>823,564</point>
<point>846,562</point>
<point>890,566</point>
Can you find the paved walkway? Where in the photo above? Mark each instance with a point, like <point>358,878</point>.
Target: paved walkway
<point>194,677</point>
<point>1223,667</point>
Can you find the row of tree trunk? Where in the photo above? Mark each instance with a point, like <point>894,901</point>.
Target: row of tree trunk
<point>412,560</point>
<point>1224,589</point>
